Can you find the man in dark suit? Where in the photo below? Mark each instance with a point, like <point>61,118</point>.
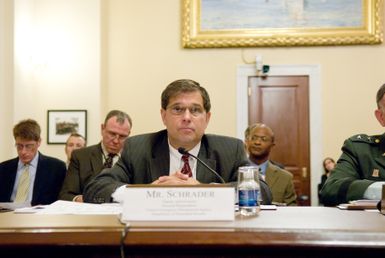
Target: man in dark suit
<point>259,141</point>
<point>31,177</point>
<point>154,158</point>
<point>87,162</point>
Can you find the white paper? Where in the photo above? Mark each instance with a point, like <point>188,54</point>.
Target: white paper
<point>67,207</point>
<point>13,205</point>
<point>268,207</point>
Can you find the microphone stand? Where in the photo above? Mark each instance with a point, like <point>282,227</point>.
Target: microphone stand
<point>183,151</point>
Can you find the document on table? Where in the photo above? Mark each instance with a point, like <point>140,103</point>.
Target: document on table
<point>359,205</point>
<point>10,206</point>
<point>264,207</point>
<point>67,207</point>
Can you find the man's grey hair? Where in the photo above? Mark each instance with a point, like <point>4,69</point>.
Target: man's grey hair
<point>251,127</point>
<point>120,117</point>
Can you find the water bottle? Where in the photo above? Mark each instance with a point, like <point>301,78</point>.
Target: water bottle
<point>248,190</point>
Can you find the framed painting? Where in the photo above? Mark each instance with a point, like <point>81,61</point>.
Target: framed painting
<point>61,123</point>
<point>279,23</point>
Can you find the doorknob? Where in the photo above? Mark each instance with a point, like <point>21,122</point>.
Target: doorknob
<point>304,172</point>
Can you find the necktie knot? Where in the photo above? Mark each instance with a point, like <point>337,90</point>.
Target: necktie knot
<point>109,160</point>
<point>185,158</point>
<point>186,169</point>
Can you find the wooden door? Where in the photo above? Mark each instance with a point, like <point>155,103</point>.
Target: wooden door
<point>282,102</point>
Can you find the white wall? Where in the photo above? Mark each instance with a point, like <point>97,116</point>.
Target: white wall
<point>57,60</point>
<point>6,76</point>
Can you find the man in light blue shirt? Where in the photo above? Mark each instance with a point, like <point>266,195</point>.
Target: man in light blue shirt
<point>31,178</point>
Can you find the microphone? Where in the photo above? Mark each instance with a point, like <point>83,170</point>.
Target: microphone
<point>183,151</point>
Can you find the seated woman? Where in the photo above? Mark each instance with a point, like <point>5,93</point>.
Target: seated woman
<point>328,164</point>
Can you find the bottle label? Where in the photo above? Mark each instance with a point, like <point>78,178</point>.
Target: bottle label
<point>248,198</point>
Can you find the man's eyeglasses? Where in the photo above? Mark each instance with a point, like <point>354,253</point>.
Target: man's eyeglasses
<point>179,110</point>
<point>114,136</point>
<point>28,147</point>
<point>260,138</point>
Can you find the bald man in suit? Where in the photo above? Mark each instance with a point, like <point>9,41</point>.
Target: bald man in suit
<point>259,140</point>
<point>88,162</point>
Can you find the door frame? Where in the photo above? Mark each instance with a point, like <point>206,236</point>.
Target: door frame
<point>315,112</point>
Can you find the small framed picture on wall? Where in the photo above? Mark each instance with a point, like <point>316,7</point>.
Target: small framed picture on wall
<point>61,123</point>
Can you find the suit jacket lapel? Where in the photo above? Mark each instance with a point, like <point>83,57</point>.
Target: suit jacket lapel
<point>271,175</point>
<point>160,157</point>
<point>39,178</point>
<point>96,159</point>
<point>203,175</point>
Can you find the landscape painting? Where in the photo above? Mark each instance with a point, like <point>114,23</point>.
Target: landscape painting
<point>248,23</point>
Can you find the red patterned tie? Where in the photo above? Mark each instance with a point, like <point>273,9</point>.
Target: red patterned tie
<point>186,166</point>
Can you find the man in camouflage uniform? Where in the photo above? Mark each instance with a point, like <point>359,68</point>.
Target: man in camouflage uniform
<point>360,171</point>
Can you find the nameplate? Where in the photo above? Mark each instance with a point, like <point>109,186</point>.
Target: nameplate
<point>176,203</point>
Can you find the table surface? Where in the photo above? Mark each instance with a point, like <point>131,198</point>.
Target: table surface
<point>286,226</point>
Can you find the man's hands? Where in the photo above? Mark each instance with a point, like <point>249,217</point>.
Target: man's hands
<point>78,198</point>
<point>177,178</point>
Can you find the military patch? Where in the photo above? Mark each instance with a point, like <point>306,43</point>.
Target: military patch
<point>376,172</point>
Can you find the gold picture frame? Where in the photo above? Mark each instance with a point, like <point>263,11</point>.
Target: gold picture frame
<point>197,33</point>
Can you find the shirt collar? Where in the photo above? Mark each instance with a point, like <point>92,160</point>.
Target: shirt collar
<point>263,167</point>
<point>33,162</point>
<point>194,151</point>
<point>105,152</point>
